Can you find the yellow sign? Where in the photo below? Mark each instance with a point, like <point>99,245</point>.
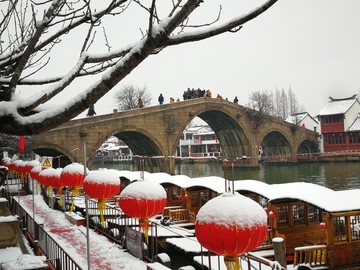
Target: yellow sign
<point>47,162</point>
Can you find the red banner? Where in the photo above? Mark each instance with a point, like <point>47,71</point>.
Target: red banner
<point>22,143</point>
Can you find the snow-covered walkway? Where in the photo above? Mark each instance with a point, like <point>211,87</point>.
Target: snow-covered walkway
<point>104,255</point>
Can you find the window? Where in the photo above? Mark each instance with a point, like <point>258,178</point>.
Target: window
<point>354,137</point>
<point>174,193</point>
<point>195,202</point>
<point>282,215</point>
<point>340,229</point>
<point>204,195</point>
<point>313,214</point>
<point>298,212</point>
<point>335,138</point>
<point>355,227</point>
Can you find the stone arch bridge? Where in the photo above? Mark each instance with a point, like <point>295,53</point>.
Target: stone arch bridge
<point>154,132</point>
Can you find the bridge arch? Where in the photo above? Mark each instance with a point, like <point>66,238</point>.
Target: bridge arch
<point>143,146</point>
<point>308,147</point>
<point>275,143</point>
<point>61,156</point>
<point>233,140</point>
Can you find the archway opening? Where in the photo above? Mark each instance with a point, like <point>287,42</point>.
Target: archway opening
<point>275,145</point>
<point>146,153</point>
<point>60,160</point>
<point>233,141</point>
<point>308,147</point>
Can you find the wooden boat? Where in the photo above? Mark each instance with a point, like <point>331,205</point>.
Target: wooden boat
<point>320,227</point>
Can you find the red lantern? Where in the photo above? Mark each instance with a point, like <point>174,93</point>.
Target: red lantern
<point>55,182</point>
<point>29,165</point>
<point>5,161</point>
<point>20,167</point>
<point>11,165</point>
<point>271,214</point>
<point>322,226</point>
<point>47,177</point>
<point>142,200</point>
<point>34,173</point>
<point>102,185</point>
<point>54,179</point>
<point>73,176</point>
<point>230,225</point>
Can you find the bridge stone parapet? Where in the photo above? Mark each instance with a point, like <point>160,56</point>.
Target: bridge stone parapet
<point>154,132</point>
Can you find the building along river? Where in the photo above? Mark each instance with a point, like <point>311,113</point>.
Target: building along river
<point>334,175</point>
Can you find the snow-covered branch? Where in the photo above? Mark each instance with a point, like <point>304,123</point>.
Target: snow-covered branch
<point>47,51</point>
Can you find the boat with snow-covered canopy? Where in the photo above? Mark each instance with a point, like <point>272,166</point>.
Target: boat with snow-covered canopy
<point>320,226</point>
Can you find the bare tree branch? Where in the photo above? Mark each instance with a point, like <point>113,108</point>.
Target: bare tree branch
<point>26,49</point>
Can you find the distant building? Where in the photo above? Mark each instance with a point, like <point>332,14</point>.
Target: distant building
<point>340,125</point>
<point>198,142</point>
<point>304,120</point>
<point>113,150</point>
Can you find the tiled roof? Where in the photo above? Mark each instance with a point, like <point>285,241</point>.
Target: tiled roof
<point>296,118</point>
<point>337,107</point>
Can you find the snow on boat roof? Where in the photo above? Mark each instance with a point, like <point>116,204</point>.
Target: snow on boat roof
<point>214,183</point>
<point>177,180</point>
<point>335,201</point>
<point>131,175</point>
<point>294,190</point>
<point>254,186</point>
<point>320,196</point>
<point>158,176</point>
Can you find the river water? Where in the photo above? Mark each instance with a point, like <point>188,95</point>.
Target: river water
<point>334,175</point>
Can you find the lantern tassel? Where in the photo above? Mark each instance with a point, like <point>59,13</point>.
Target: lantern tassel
<point>232,263</point>
<point>101,208</point>
<point>59,192</point>
<point>72,205</point>
<point>144,225</point>
<point>74,191</point>
<point>49,191</point>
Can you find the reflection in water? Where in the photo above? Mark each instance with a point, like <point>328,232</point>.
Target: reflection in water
<point>337,176</point>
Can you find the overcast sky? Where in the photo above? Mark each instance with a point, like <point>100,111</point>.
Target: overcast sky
<point>312,46</point>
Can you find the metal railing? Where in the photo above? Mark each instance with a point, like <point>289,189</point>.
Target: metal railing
<point>42,242</point>
<point>114,228</point>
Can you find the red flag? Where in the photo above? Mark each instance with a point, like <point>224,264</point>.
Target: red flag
<point>22,143</point>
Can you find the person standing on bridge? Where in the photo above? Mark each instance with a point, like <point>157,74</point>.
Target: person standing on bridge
<point>161,99</point>
<point>91,111</point>
<point>140,103</point>
<point>236,101</point>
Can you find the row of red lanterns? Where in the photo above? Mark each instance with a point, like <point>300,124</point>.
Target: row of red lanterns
<point>102,185</point>
<point>228,225</point>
